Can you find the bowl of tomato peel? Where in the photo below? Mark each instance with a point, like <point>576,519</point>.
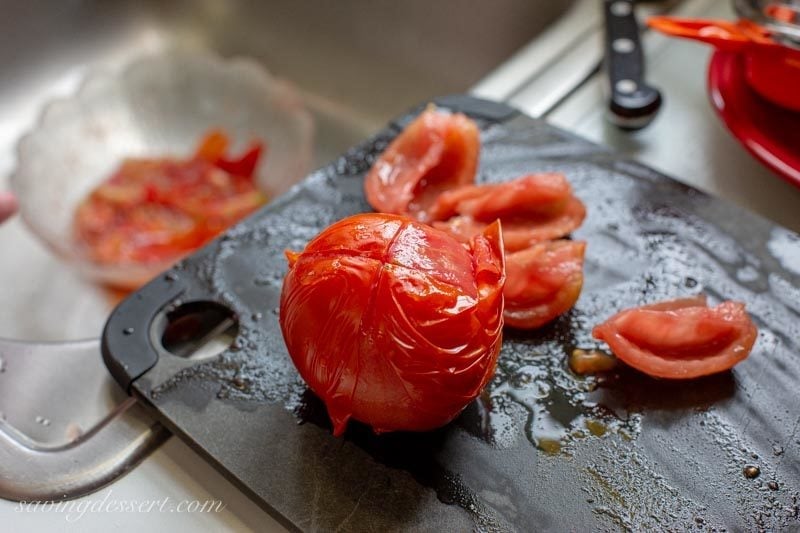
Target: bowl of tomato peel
<point>141,167</point>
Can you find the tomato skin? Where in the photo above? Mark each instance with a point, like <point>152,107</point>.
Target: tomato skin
<point>542,282</point>
<point>680,339</point>
<point>392,322</point>
<point>437,151</point>
<point>243,166</point>
<point>153,210</point>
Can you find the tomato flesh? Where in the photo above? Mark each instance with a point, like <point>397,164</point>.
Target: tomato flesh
<point>680,339</point>
<point>435,152</point>
<point>534,195</point>
<point>392,322</point>
<point>533,208</point>
<point>520,234</point>
<point>542,282</point>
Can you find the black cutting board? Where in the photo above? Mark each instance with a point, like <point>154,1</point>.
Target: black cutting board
<point>541,449</point>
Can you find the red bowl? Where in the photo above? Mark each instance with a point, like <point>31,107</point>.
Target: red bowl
<point>774,73</point>
<point>771,69</point>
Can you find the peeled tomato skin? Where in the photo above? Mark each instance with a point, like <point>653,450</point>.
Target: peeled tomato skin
<point>401,329</point>
<point>680,339</point>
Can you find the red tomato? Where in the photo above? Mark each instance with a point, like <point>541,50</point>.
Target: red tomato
<point>680,339</point>
<point>542,282</point>
<point>392,322</point>
<point>533,208</point>
<point>437,151</point>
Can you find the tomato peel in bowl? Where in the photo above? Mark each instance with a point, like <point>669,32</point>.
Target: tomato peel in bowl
<point>392,322</point>
<point>154,211</point>
<point>680,339</point>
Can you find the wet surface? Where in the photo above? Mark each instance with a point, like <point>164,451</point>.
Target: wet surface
<point>542,446</point>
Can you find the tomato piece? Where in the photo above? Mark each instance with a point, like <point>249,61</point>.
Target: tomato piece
<point>521,233</point>
<point>392,322</point>
<point>142,235</point>
<point>680,339</point>
<point>533,208</point>
<point>436,152</point>
<point>534,196</point>
<point>542,282</point>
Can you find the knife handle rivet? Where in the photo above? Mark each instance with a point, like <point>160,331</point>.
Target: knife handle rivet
<point>621,9</point>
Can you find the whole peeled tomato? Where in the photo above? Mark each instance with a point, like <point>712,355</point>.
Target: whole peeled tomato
<point>392,322</point>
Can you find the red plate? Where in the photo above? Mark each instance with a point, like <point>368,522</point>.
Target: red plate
<point>769,132</point>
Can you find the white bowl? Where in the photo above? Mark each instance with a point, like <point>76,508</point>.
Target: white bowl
<point>157,106</point>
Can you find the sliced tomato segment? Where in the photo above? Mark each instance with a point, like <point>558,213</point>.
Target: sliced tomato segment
<point>436,152</point>
<point>532,196</point>
<point>520,233</point>
<point>542,282</point>
<point>428,172</point>
<point>680,339</point>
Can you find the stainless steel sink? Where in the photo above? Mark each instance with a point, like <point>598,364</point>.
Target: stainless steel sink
<point>357,64</point>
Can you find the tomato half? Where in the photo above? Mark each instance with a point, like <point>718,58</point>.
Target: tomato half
<point>542,282</point>
<point>533,208</point>
<point>437,151</point>
<point>392,322</point>
<point>680,339</point>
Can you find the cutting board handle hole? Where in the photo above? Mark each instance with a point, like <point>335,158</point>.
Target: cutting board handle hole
<point>199,330</point>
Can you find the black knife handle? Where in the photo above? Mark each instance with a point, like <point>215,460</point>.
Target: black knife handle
<point>633,103</point>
